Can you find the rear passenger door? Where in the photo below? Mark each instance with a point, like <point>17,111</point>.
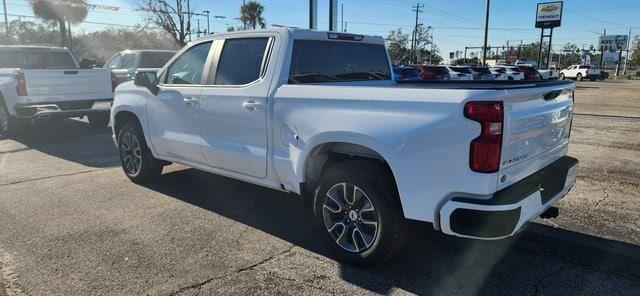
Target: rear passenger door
<point>233,105</point>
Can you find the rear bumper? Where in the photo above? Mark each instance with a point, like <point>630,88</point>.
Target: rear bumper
<point>63,109</point>
<point>510,208</point>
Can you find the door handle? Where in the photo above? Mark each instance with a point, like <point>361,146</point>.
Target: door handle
<point>252,105</point>
<point>189,101</point>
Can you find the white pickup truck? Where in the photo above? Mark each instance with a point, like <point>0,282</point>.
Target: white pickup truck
<point>318,115</point>
<point>579,72</point>
<point>43,82</point>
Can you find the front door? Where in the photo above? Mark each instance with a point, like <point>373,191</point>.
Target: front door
<point>173,115</point>
<point>233,106</point>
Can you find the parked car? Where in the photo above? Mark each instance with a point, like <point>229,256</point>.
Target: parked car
<point>513,73</point>
<point>124,64</point>
<point>44,82</point>
<point>428,72</point>
<point>482,73</point>
<point>319,115</point>
<point>530,63</point>
<point>549,74</point>
<point>579,72</point>
<point>460,73</point>
<point>499,73</point>
<point>604,75</point>
<point>405,73</point>
<point>530,73</point>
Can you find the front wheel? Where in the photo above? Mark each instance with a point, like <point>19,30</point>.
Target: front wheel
<point>137,161</point>
<point>561,76</point>
<point>99,120</point>
<point>358,214</point>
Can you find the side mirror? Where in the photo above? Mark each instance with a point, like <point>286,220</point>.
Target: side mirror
<point>148,79</point>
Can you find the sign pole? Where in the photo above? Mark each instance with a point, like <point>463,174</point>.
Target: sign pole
<point>540,47</point>
<point>549,51</point>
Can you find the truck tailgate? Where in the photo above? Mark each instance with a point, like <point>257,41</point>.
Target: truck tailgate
<point>44,86</point>
<point>536,131</point>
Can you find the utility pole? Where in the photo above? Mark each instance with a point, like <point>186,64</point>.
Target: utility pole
<point>6,21</point>
<point>244,24</point>
<point>189,18</point>
<point>208,23</point>
<point>430,30</point>
<point>342,16</point>
<point>333,15</point>
<point>486,34</point>
<point>313,14</point>
<point>626,59</point>
<point>414,38</point>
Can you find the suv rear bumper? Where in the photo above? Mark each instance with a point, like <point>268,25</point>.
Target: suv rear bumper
<point>63,109</point>
<point>510,208</point>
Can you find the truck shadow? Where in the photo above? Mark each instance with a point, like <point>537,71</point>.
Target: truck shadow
<point>71,140</point>
<point>540,259</point>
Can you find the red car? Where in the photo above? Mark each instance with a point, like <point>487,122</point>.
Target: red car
<point>530,73</point>
<point>428,72</point>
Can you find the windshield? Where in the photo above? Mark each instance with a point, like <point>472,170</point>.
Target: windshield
<point>37,60</point>
<point>335,61</point>
<point>155,59</point>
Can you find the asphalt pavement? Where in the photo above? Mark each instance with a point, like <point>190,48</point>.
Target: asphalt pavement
<point>72,224</point>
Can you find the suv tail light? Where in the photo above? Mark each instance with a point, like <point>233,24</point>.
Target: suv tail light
<point>21,84</point>
<point>113,82</point>
<point>485,149</point>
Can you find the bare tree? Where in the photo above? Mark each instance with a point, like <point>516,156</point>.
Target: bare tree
<point>72,11</point>
<point>171,17</point>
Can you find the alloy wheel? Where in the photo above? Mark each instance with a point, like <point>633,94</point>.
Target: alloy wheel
<point>131,153</point>
<point>350,217</point>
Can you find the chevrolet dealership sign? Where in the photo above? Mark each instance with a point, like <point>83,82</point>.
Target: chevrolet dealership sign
<point>549,15</point>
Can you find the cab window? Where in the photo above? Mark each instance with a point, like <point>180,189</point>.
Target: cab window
<point>188,68</point>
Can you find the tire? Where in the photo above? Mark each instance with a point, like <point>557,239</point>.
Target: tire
<point>99,120</point>
<point>579,77</point>
<point>9,124</point>
<point>593,79</point>
<point>135,157</point>
<point>377,196</point>
<point>561,76</point>
<point>510,78</point>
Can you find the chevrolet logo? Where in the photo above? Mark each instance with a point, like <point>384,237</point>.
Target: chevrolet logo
<point>549,8</point>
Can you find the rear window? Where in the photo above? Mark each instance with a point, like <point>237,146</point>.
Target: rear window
<point>464,70</point>
<point>482,70</point>
<point>37,60</point>
<point>336,61</point>
<point>155,59</point>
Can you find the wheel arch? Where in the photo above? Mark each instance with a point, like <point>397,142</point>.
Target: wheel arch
<point>327,153</point>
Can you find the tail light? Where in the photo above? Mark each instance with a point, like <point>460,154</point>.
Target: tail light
<point>485,149</point>
<point>21,84</point>
<point>113,82</point>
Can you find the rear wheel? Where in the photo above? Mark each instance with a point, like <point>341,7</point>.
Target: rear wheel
<point>137,161</point>
<point>357,212</point>
<point>579,77</point>
<point>99,120</point>
<point>9,124</point>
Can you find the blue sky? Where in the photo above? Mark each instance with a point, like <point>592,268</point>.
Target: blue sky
<point>457,23</point>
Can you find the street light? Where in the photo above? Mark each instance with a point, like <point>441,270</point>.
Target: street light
<point>208,23</point>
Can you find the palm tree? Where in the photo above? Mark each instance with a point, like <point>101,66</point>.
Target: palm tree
<point>251,13</point>
<point>61,11</point>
